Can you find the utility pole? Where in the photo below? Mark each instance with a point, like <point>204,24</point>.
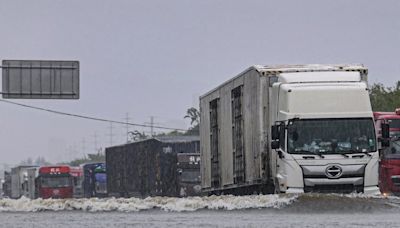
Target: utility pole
<point>151,125</point>
<point>95,142</point>
<point>84,147</point>
<point>127,119</point>
<point>111,135</point>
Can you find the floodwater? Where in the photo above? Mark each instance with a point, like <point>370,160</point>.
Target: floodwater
<point>307,210</point>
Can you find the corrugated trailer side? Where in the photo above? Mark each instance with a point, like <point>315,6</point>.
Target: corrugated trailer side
<point>231,133</point>
<point>145,168</point>
<point>115,160</point>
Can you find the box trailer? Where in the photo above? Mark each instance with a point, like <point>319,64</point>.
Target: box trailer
<point>147,167</point>
<point>289,128</point>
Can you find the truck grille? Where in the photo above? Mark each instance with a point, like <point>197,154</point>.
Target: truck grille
<point>341,188</point>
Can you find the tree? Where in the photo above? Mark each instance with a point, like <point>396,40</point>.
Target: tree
<point>383,98</point>
<point>194,115</point>
<point>137,135</point>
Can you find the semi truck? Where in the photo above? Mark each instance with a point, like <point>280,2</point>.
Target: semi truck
<point>23,181</point>
<point>389,168</point>
<point>95,180</point>
<point>289,129</point>
<point>188,169</point>
<point>7,184</point>
<point>150,167</point>
<point>55,182</point>
<point>77,181</point>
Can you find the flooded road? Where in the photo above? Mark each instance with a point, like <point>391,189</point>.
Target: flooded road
<point>222,211</point>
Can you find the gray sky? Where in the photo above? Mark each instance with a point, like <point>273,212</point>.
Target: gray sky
<point>154,58</point>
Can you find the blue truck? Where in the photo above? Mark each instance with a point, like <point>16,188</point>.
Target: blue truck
<point>95,180</point>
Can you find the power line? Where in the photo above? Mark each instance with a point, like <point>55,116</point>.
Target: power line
<point>89,117</point>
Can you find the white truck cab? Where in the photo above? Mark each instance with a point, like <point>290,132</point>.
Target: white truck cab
<point>327,140</point>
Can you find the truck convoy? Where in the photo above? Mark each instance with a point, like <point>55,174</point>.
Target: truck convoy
<point>389,171</point>
<point>290,129</point>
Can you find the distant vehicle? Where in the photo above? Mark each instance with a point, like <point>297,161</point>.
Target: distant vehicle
<point>1,188</point>
<point>391,118</point>
<point>77,181</point>
<point>6,185</point>
<point>189,178</point>
<point>95,180</point>
<point>289,129</point>
<point>150,167</point>
<point>23,182</point>
<point>55,182</point>
<point>389,171</point>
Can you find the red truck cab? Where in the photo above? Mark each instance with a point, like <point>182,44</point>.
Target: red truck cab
<point>389,170</point>
<point>55,182</point>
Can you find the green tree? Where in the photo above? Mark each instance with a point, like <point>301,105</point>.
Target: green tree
<point>383,98</point>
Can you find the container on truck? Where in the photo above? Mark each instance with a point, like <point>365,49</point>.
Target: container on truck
<point>55,182</point>
<point>389,169</point>
<point>289,129</point>
<point>95,180</point>
<point>147,167</point>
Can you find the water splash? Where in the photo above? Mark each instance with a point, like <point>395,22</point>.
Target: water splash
<point>226,202</point>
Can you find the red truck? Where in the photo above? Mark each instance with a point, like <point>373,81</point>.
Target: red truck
<point>55,182</point>
<point>389,170</point>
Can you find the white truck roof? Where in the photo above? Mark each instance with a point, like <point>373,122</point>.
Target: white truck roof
<point>280,70</point>
<point>309,68</point>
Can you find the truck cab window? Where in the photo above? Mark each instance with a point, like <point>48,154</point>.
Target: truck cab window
<point>331,136</point>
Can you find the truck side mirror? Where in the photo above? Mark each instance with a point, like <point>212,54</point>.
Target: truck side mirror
<point>275,144</point>
<point>385,140</point>
<point>274,132</point>
<point>385,131</point>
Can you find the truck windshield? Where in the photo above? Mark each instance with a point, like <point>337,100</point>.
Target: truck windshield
<point>393,151</point>
<point>55,182</point>
<point>394,123</point>
<point>395,134</point>
<point>331,136</point>
<point>190,176</point>
<point>101,177</point>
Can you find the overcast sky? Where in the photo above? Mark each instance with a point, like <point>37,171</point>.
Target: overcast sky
<point>154,58</point>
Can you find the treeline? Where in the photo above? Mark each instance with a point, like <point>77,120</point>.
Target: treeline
<point>385,99</point>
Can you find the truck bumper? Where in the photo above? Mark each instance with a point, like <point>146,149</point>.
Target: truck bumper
<point>372,190</point>
<point>295,190</point>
